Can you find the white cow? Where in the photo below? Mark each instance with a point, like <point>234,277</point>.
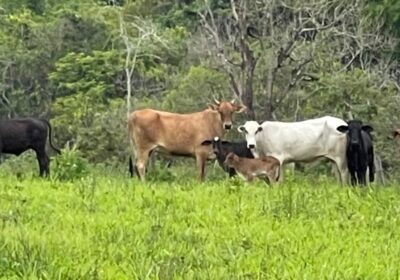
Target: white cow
<point>304,141</point>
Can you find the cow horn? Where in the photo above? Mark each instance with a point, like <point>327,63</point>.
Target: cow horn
<point>233,101</point>
<point>216,101</point>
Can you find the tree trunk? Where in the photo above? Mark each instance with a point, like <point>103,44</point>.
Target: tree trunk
<point>129,91</point>
<point>249,64</point>
<point>248,88</point>
<point>269,108</point>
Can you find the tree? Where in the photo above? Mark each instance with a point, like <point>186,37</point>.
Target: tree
<point>138,43</point>
<point>230,33</point>
<point>271,45</point>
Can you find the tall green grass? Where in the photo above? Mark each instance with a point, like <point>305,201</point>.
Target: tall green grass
<point>107,226</point>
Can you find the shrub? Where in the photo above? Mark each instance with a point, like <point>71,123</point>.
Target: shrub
<point>70,165</point>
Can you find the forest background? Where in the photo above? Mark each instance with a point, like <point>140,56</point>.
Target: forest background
<point>84,64</point>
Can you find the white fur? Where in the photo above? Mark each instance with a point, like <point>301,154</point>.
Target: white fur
<point>299,141</point>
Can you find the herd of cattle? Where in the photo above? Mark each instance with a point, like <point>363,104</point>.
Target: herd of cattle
<point>268,146</point>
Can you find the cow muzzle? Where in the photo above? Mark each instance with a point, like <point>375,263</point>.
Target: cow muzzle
<point>227,125</point>
<point>212,156</point>
<point>354,143</point>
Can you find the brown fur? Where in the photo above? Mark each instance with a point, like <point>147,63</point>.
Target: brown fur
<point>249,168</point>
<point>396,134</point>
<point>178,134</point>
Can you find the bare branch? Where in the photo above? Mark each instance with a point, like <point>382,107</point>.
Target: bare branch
<point>234,13</point>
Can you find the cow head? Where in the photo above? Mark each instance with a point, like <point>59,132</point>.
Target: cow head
<point>217,145</point>
<point>354,129</point>
<point>250,129</point>
<point>231,158</point>
<point>226,110</point>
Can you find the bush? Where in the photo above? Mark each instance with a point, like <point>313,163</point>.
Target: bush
<point>22,166</point>
<point>70,165</point>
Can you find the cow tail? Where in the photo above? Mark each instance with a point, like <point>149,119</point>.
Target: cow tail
<point>371,166</point>
<point>132,156</point>
<point>50,142</point>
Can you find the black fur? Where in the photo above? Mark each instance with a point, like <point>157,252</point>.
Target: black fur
<point>359,152</point>
<point>19,135</point>
<point>223,148</point>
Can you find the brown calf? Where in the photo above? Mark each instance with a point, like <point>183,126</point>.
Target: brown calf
<point>179,134</point>
<point>248,168</point>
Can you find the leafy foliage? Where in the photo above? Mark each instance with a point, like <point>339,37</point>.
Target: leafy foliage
<point>66,61</point>
<point>70,165</point>
<point>199,84</point>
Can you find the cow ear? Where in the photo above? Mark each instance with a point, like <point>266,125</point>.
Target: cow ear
<point>212,106</point>
<point>206,142</point>
<point>342,128</point>
<point>241,108</point>
<point>235,157</point>
<point>367,128</point>
<point>242,129</point>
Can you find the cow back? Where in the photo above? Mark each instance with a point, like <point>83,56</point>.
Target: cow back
<point>19,135</point>
<point>178,134</point>
<point>301,141</point>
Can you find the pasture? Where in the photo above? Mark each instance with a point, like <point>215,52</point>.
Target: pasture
<point>105,225</point>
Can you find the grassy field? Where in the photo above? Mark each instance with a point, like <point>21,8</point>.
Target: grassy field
<point>112,227</point>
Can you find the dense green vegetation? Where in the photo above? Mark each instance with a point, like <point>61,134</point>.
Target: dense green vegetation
<point>85,64</point>
<point>110,227</point>
<point>78,63</point>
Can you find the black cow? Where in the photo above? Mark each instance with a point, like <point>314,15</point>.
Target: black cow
<point>359,151</point>
<point>223,148</point>
<point>19,135</point>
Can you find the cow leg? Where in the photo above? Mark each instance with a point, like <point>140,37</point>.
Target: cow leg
<point>47,166</point>
<point>371,166</point>
<point>141,162</point>
<point>371,170</point>
<point>152,160</point>
<point>201,162</point>
<point>130,164</point>
<point>271,178</point>
<point>43,161</point>
<point>231,171</point>
<point>343,170</point>
<point>281,173</point>
<point>249,178</point>
<point>353,177</point>
<point>132,168</point>
<point>361,176</point>
<point>169,163</point>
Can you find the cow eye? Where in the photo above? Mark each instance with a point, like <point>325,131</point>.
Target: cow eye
<point>242,129</point>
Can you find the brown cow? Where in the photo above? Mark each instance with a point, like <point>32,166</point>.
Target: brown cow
<point>248,168</point>
<point>179,134</point>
